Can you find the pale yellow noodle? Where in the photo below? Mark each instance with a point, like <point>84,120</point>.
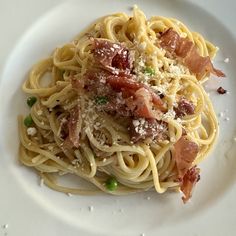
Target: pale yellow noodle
<point>137,167</point>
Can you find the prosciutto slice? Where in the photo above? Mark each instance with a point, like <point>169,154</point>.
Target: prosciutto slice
<point>185,107</point>
<point>188,52</point>
<point>129,86</point>
<point>140,129</point>
<point>112,56</point>
<point>189,181</point>
<point>74,127</point>
<point>185,152</point>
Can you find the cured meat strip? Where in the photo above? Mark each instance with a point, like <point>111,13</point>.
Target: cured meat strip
<point>189,181</point>
<point>185,152</point>
<point>188,52</point>
<point>112,56</point>
<point>140,129</point>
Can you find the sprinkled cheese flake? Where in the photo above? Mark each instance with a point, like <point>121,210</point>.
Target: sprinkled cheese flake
<point>69,195</point>
<point>141,63</point>
<point>31,131</point>
<point>136,123</point>
<point>160,88</point>
<point>227,118</point>
<point>175,70</point>
<point>41,183</point>
<point>226,60</point>
<point>5,226</point>
<point>142,46</point>
<point>142,234</point>
<point>179,120</point>
<point>221,114</point>
<point>169,115</point>
<point>235,139</point>
<point>148,198</point>
<point>91,208</point>
<point>39,112</point>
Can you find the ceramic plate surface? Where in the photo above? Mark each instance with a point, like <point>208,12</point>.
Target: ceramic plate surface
<point>30,210</point>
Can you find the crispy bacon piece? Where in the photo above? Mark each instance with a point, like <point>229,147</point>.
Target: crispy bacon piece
<point>112,56</point>
<point>184,108</point>
<point>74,127</point>
<point>185,49</point>
<point>144,105</point>
<point>128,84</point>
<point>188,182</point>
<point>141,128</point>
<point>117,105</point>
<point>185,152</point>
<point>221,90</point>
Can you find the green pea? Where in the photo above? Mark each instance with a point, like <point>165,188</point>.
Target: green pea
<point>28,121</point>
<point>111,184</point>
<point>31,101</point>
<point>149,71</point>
<point>101,100</point>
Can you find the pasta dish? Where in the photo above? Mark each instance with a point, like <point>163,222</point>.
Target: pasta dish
<point>124,108</point>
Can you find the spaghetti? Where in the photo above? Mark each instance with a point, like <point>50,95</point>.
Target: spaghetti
<point>124,109</point>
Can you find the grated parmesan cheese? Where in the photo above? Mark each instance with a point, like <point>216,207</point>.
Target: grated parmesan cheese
<point>142,46</point>
<point>169,115</point>
<point>136,123</point>
<point>221,114</point>
<point>31,131</point>
<point>91,208</point>
<point>39,112</point>
<point>41,183</point>
<point>5,226</point>
<point>226,60</point>
<point>175,70</point>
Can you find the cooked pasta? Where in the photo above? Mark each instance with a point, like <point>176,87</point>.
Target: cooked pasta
<point>124,108</point>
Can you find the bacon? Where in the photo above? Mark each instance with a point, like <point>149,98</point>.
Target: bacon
<point>117,105</point>
<point>188,182</point>
<point>120,82</point>
<point>185,152</point>
<point>184,108</point>
<point>185,49</point>
<point>112,56</point>
<point>129,85</point>
<point>73,127</point>
<point>144,105</point>
<point>221,90</point>
<point>140,129</point>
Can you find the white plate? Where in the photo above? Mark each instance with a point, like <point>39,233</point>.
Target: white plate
<point>31,210</point>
